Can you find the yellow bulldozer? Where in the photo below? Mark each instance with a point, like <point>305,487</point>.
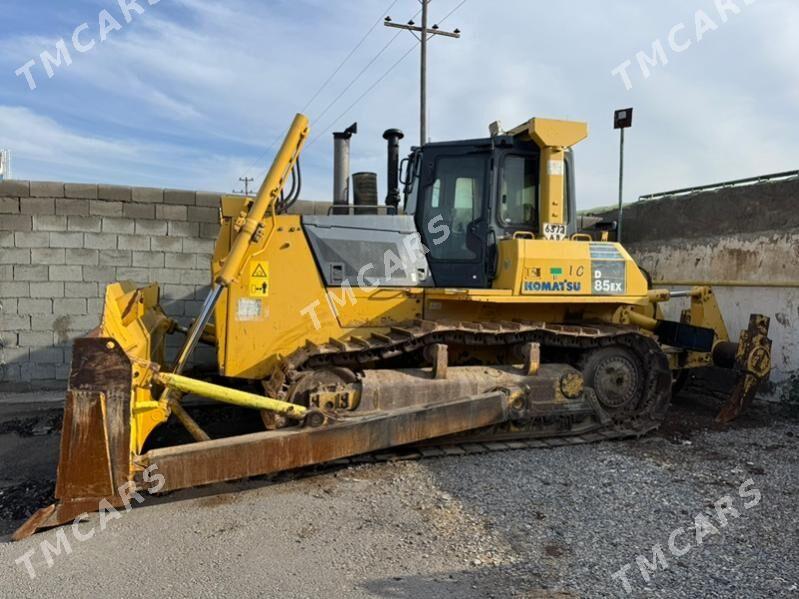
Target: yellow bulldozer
<point>467,310</point>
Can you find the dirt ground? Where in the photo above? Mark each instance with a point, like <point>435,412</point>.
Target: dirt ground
<point>526,523</point>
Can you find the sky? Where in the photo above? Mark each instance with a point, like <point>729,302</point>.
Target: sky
<point>196,93</point>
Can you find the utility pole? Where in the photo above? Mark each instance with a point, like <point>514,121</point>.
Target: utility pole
<point>622,119</point>
<point>5,164</point>
<point>425,34</point>
<point>246,181</point>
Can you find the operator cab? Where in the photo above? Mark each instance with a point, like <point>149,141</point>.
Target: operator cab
<point>466,195</point>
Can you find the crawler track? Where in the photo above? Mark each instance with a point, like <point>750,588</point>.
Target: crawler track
<point>588,423</point>
<point>466,446</point>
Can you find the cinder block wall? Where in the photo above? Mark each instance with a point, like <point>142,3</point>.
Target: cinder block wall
<point>60,244</point>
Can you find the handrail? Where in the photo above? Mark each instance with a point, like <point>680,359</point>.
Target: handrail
<point>723,185</point>
<point>352,209</point>
<point>729,283</point>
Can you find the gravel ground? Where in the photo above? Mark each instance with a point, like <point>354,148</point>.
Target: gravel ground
<point>533,523</point>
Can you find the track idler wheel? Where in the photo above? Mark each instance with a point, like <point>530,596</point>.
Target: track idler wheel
<point>616,376</point>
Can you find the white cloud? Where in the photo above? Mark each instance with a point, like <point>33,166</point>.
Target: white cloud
<point>46,150</point>
<point>203,88</point>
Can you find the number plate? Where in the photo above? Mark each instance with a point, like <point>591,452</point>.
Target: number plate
<point>555,232</point>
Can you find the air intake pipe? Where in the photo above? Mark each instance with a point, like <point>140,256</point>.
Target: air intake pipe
<point>393,136</point>
<point>341,169</point>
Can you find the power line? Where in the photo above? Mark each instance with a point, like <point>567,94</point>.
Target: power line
<point>358,76</point>
<point>346,59</point>
<point>364,94</point>
<point>246,190</point>
<point>371,87</point>
<point>376,82</point>
<point>425,35</point>
<point>351,83</point>
<point>282,134</point>
<point>450,13</point>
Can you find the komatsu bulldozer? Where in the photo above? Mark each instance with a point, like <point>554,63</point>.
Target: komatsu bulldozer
<point>468,310</point>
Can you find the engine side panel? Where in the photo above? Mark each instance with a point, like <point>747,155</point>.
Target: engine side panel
<point>565,269</point>
<point>281,301</point>
<point>361,250</point>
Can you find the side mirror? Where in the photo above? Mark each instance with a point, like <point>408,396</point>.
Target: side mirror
<point>606,225</point>
<point>607,229</point>
<point>404,171</point>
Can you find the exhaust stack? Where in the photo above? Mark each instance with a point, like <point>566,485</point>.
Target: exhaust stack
<point>393,136</point>
<point>341,169</point>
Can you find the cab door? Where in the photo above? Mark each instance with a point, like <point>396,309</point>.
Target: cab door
<point>451,216</point>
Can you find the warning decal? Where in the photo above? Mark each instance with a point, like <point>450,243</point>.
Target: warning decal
<point>259,279</point>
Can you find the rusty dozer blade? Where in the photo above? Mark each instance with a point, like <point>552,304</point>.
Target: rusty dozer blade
<point>95,435</point>
<point>108,410</point>
<point>100,461</point>
<point>111,409</point>
<point>117,394</point>
<point>751,360</point>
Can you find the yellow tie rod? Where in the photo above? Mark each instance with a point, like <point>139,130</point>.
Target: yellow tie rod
<point>231,396</point>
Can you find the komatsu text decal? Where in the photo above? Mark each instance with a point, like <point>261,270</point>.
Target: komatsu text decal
<point>552,286</point>
<point>560,278</point>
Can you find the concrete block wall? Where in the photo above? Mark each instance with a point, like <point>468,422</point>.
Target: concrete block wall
<point>61,243</point>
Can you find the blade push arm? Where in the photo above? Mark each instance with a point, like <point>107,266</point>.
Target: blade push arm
<point>264,202</point>
<point>270,190</point>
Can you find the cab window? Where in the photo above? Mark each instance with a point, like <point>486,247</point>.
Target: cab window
<point>518,191</point>
<point>455,199</point>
